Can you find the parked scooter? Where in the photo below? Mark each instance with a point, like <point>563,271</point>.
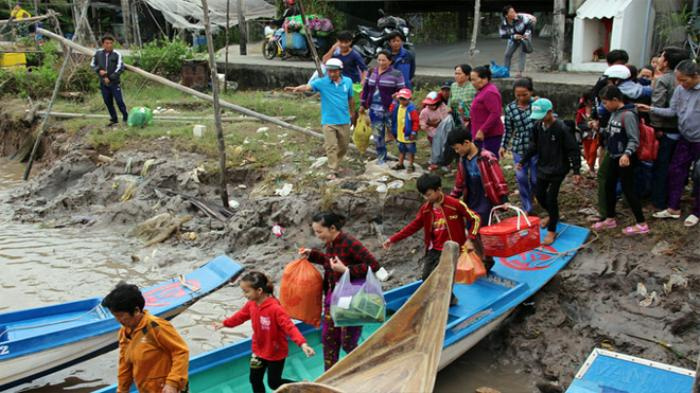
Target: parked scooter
<point>369,41</point>
<point>276,45</point>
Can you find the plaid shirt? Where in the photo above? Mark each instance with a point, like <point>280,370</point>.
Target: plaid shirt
<point>351,252</point>
<point>518,128</point>
<point>461,96</point>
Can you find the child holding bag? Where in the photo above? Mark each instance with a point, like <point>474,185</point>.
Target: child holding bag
<point>271,326</point>
<point>343,253</point>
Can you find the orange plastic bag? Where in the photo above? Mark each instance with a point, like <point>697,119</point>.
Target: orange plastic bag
<point>301,292</point>
<point>469,268</point>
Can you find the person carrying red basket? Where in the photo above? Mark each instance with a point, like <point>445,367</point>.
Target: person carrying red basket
<point>442,218</point>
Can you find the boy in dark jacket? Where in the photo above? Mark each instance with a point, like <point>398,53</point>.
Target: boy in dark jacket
<point>109,65</point>
<point>479,180</point>
<point>442,218</point>
<point>557,151</point>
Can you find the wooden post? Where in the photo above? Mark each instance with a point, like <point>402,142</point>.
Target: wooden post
<point>559,24</point>
<point>42,128</point>
<point>475,28</point>
<point>309,40</point>
<point>137,28</point>
<point>696,383</point>
<point>241,28</point>
<point>217,106</point>
<point>228,19</point>
<point>126,19</point>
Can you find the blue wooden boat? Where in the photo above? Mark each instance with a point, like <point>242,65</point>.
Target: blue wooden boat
<point>43,340</point>
<point>482,307</point>
<point>611,372</point>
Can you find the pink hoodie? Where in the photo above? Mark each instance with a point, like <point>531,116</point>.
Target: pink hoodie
<point>486,111</point>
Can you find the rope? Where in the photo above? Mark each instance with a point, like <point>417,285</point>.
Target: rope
<point>558,254</point>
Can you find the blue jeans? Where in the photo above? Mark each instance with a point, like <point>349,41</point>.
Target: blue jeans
<point>111,93</point>
<point>527,180</point>
<point>381,124</point>
<point>510,51</point>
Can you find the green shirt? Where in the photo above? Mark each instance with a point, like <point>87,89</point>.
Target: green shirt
<point>461,96</point>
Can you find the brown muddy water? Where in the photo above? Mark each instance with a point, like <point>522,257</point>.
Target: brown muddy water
<point>43,266</point>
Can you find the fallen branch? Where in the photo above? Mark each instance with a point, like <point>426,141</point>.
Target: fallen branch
<point>237,119</point>
<point>25,20</point>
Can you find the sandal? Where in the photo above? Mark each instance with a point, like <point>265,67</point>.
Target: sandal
<point>666,214</point>
<point>637,229</point>
<point>608,223</point>
<point>691,221</point>
<point>332,176</point>
<point>411,168</point>
<point>398,167</point>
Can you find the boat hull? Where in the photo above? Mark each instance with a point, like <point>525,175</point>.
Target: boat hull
<point>454,351</point>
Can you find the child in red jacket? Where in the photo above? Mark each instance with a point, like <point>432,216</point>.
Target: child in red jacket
<point>271,326</point>
<point>442,218</point>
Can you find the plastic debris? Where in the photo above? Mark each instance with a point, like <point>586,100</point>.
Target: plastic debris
<point>199,130</point>
<point>147,166</point>
<point>382,274</point>
<point>650,300</point>
<point>676,280</point>
<point>234,204</point>
<point>395,185</point>
<point>661,248</point>
<point>262,129</point>
<point>641,289</point>
<point>277,230</point>
<point>285,190</point>
<point>127,167</point>
<point>319,162</point>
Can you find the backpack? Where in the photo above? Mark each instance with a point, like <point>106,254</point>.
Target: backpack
<point>648,148</point>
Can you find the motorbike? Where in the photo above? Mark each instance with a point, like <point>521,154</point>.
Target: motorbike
<point>275,43</point>
<point>368,41</point>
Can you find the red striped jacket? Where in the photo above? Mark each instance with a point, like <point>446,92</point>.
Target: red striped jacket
<point>492,178</point>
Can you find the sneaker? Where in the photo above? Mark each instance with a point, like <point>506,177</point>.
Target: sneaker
<point>411,168</point>
<point>608,223</point>
<point>666,214</point>
<point>637,229</point>
<point>112,124</point>
<point>398,167</point>
<point>691,221</point>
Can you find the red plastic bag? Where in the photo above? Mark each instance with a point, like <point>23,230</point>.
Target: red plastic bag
<point>301,292</point>
<point>648,148</point>
<point>511,236</point>
<point>469,268</point>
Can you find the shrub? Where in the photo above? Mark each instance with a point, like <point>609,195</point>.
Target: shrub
<point>162,57</point>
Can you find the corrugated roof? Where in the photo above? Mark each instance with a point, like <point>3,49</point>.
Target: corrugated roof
<point>597,9</point>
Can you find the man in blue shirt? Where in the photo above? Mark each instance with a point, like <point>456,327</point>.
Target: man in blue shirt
<point>404,60</point>
<point>336,103</point>
<point>354,66</point>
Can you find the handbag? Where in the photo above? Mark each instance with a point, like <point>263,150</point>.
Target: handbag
<point>527,45</point>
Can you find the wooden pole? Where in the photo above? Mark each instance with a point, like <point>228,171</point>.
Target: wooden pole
<point>166,118</point>
<point>241,28</point>
<point>126,19</point>
<point>228,18</point>
<point>696,383</point>
<point>559,24</point>
<point>475,28</point>
<point>217,106</point>
<point>56,87</point>
<point>309,40</point>
<point>25,20</point>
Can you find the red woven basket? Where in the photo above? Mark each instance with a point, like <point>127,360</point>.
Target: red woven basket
<point>510,236</point>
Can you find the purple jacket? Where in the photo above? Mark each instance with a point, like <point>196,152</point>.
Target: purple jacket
<point>388,82</point>
<point>486,111</point>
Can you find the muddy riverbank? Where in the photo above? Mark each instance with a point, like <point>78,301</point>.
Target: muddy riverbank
<point>67,235</point>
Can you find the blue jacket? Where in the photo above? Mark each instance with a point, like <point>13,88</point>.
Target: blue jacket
<point>406,63</point>
<point>411,123</point>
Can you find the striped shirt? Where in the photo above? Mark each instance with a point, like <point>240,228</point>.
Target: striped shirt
<point>387,83</point>
<point>518,128</point>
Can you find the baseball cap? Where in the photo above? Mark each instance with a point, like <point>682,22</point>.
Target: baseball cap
<point>540,108</point>
<point>446,85</point>
<point>404,93</point>
<point>618,71</point>
<point>431,98</point>
<point>334,64</point>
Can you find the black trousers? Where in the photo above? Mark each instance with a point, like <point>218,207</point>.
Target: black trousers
<point>626,177</point>
<point>547,193</point>
<point>111,93</point>
<point>274,375</point>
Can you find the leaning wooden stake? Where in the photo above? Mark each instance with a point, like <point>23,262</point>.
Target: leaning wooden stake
<point>475,28</point>
<point>310,40</point>
<point>696,383</point>
<point>217,106</point>
<point>42,128</point>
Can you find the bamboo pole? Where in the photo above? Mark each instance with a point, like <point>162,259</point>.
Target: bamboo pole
<point>56,87</point>
<point>187,90</point>
<point>25,20</point>
<point>309,40</point>
<point>243,40</point>
<point>126,23</point>
<point>228,9</point>
<point>184,119</point>
<point>217,106</point>
<point>475,28</point>
<point>559,24</point>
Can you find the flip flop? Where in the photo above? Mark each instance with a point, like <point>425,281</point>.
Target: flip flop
<point>636,229</point>
<point>666,214</point>
<point>691,221</point>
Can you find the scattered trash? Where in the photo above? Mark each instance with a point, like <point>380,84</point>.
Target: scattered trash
<point>233,204</point>
<point>588,211</point>
<point>381,188</point>
<point>641,289</point>
<point>127,167</point>
<point>379,172</point>
<point>287,154</point>
<point>319,162</point>
<point>140,117</point>
<point>662,248</point>
<point>193,175</point>
<point>159,228</point>
<point>147,166</point>
<point>383,275</point>
<point>676,280</point>
<point>262,129</point>
<point>395,185</point>
<point>246,141</point>
<point>649,298</point>
<point>129,192</point>
<point>190,235</point>
<point>285,190</point>
<point>277,230</point>
<point>105,159</point>
<point>242,186</point>
<point>199,130</point>
<point>486,389</point>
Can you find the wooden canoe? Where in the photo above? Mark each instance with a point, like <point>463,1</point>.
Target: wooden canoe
<point>403,355</point>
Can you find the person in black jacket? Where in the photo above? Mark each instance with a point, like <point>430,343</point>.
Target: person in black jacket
<point>557,152</point>
<point>109,64</point>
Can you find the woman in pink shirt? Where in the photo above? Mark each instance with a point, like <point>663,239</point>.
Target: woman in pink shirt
<point>487,107</point>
